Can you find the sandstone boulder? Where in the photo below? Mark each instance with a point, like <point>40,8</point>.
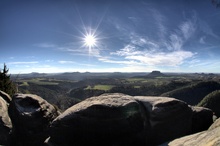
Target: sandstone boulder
<point>169,118</point>
<point>109,119</point>
<point>210,137</point>
<point>5,122</point>
<point>121,120</point>
<point>31,116</point>
<point>5,96</point>
<point>202,119</point>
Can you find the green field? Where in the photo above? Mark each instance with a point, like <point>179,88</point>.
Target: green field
<point>38,81</point>
<point>100,87</point>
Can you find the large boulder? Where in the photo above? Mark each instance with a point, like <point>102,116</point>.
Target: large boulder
<point>119,119</point>
<point>202,119</point>
<point>5,96</point>
<point>109,119</point>
<point>5,122</point>
<point>169,118</point>
<point>211,137</point>
<point>31,116</point>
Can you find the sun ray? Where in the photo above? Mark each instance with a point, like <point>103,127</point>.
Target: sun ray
<point>90,40</point>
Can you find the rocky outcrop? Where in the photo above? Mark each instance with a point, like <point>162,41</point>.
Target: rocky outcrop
<point>169,118</point>
<point>5,96</point>
<point>211,137</point>
<point>202,119</point>
<point>156,74</point>
<point>118,119</point>
<point>109,119</point>
<point>5,122</point>
<point>31,116</point>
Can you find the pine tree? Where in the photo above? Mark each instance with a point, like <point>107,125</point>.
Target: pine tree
<point>6,83</point>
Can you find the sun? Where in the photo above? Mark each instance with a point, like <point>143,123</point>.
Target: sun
<point>90,40</point>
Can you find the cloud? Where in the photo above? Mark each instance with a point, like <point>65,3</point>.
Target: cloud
<point>168,51</point>
<point>202,40</point>
<point>66,62</point>
<point>187,28</point>
<point>80,50</point>
<point>145,57</point>
<point>159,21</point>
<point>45,45</point>
<point>204,26</point>
<point>18,63</point>
<point>144,50</point>
<point>176,42</point>
<point>73,62</point>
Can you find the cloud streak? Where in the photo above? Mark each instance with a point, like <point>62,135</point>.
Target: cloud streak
<point>18,63</point>
<point>169,51</point>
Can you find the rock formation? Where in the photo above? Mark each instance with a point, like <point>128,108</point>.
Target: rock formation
<point>169,118</point>
<point>31,116</point>
<point>5,122</point>
<point>5,96</point>
<point>156,74</point>
<point>110,119</point>
<point>202,119</point>
<point>211,137</point>
<point>118,119</point>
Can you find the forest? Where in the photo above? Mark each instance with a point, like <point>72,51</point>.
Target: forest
<point>67,89</point>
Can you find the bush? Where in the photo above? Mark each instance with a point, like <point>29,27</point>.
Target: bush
<point>212,101</point>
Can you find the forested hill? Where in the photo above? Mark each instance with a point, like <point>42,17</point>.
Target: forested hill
<point>64,92</point>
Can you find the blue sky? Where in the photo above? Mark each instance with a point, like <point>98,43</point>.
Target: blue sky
<point>47,36</point>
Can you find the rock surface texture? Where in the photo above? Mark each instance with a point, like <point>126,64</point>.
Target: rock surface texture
<point>31,116</point>
<point>202,119</point>
<point>169,118</point>
<point>5,96</point>
<point>211,137</point>
<point>118,119</point>
<point>110,119</point>
<point>5,122</point>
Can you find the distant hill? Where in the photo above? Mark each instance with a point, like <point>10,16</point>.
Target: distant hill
<point>193,94</point>
<point>156,74</point>
<point>212,101</point>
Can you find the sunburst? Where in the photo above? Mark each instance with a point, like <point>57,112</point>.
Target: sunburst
<point>90,40</point>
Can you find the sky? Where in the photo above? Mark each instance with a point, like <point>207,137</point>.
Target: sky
<point>51,36</point>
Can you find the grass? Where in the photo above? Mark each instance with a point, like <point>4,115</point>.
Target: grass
<point>38,81</point>
<point>134,80</point>
<point>137,87</point>
<point>24,84</point>
<point>100,87</point>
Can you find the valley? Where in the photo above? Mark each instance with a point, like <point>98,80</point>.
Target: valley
<point>67,89</point>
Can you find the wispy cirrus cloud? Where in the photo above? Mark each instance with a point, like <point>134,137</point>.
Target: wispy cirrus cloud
<point>159,21</point>
<point>205,27</point>
<point>154,58</point>
<point>73,62</point>
<point>168,51</point>
<point>45,45</point>
<point>18,63</point>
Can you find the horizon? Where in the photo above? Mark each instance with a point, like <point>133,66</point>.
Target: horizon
<point>110,36</point>
<point>217,73</point>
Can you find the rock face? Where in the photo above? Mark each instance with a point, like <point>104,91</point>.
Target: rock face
<point>5,96</point>
<point>5,122</point>
<point>169,118</point>
<point>118,119</point>
<point>155,74</point>
<point>210,137</point>
<point>31,116</point>
<point>109,119</point>
<point>202,119</point>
